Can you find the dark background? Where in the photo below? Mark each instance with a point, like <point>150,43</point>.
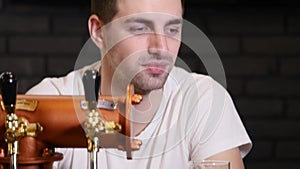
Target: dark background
<point>258,42</point>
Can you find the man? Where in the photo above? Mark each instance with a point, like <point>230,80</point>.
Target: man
<point>183,116</point>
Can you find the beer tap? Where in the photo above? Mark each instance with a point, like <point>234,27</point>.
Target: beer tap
<point>16,127</point>
<point>94,124</point>
<point>8,91</point>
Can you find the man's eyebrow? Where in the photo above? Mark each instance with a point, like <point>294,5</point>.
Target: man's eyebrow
<point>138,20</point>
<point>174,22</point>
<point>149,22</point>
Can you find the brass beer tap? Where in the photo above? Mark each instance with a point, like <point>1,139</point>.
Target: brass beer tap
<point>95,124</point>
<point>16,127</point>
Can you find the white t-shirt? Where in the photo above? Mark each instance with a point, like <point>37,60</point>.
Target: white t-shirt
<point>196,119</point>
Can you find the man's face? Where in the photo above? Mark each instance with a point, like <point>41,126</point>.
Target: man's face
<point>142,42</point>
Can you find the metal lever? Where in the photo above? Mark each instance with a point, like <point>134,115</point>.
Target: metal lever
<point>91,82</point>
<point>9,91</point>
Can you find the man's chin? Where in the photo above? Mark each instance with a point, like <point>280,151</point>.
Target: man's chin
<point>144,82</point>
<point>148,86</point>
<point>145,91</point>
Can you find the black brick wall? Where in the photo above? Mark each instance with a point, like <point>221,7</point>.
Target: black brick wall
<point>258,42</point>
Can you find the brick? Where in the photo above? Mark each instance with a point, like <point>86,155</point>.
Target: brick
<point>57,66</point>
<point>261,150</point>
<point>211,66</point>
<point>198,42</point>
<point>273,87</point>
<point>2,45</point>
<point>288,150</point>
<point>50,45</point>
<point>290,66</point>
<point>47,9</point>
<point>235,86</point>
<point>246,66</point>
<point>273,128</point>
<point>88,54</point>
<point>191,63</point>
<point>294,24</point>
<point>205,64</point>
<point>193,16</point>
<point>226,45</point>
<point>242,22</point>
<point>27,82</point>
<point>70,24</point>
<point>205,46</point>
<point>259,107</point>
<point>1,4</point>
<point>293,108</point>
<point>21,65</point>
<point>187,58</point>
<point>213,1</point>
<point>272,45</point>
<point>24,24</point>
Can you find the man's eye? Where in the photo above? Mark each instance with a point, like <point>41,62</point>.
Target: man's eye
<point>139,30</point>
<point>172,31</point>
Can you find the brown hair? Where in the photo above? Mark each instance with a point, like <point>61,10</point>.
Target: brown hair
<point>107,9</point>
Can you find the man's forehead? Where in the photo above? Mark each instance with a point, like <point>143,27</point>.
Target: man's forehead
<point>128,7</point>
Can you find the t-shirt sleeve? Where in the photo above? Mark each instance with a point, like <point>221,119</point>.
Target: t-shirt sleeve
<point>45,87</point>
<point>223,128</point>
<point>66,85</point>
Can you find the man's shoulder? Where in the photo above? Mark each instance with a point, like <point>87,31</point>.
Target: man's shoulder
<point>54,85</point>
<point>70,84</point>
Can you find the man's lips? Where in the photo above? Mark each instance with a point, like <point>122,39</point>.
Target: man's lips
<point>155,68</point>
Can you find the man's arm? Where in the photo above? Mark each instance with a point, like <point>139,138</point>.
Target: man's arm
<point>232,155</point>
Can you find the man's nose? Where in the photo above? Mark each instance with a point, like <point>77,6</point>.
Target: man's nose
<point>157,43</point>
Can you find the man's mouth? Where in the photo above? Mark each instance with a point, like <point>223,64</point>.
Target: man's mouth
<point>155,68</point>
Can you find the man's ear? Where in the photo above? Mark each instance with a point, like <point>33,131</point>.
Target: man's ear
<point>95,25</point>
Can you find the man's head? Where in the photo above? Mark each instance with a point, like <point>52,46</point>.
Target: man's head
<point>137,37</point>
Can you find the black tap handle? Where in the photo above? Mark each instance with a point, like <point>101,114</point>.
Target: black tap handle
<point>91,82</point>
<point>8,83</point>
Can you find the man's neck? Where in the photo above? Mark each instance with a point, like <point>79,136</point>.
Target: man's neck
<point>144,112</point>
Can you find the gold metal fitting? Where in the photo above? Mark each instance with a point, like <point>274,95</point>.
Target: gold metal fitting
<point>112,127</point>
<point>136,99</point>
<point>29,129</point>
